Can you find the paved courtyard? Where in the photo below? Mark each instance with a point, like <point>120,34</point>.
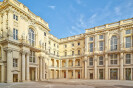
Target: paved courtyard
<point>71,84</point>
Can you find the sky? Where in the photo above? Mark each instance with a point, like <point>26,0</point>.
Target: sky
<point>71,17</point>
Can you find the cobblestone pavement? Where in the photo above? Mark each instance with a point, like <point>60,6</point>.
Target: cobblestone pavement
<point>71,84</point>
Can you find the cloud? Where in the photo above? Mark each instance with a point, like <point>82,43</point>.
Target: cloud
<point>78,1</point>
<point>117,10</point>
<point>52,7</point>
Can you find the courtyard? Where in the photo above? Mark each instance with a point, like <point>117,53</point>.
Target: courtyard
<point>71,84</point>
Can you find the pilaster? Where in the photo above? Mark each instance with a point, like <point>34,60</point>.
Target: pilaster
<point>23,65</point>
<point>95,67</point>
<point>121,66</point>
<point>106,67</point>
<point>27,67</point>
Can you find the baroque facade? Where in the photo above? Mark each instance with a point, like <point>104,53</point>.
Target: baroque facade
<point>28,52</point>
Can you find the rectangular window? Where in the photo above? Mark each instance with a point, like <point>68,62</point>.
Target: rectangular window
<point>72,44</point>
<point>72,52</point>
<point>91,47</point>
<point>101,60</point>
<point>128,58</point>
<point>78,52</point>
<point>15,34</point>
<point>100,36</point>
<point>91,61</point>
<point>65,53</point>
<point>91,38</point>
<point>15,17</point>
<point>113,59</point>
<point>101,44</point>
<point>44,33</point>
<point>128,31</point>
<point>65,46</point>
<point>128,42</point>
<point>15,63</point>
<point>78,63</point>
<point>32,56</point>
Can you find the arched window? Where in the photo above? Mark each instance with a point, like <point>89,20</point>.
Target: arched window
<point>113,43</point>
<point>31,37</point>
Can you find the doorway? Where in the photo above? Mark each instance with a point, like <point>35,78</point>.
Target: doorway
<point>91,75</point>
<point>100,73</point>
<point>64,74</point>
<point>32,74</point>
<point>128,73</point>
<point>78,75</point>
<point>113,74</point>
<point>15,77</point>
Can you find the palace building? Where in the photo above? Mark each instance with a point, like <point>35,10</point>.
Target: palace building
<point>28,52</point>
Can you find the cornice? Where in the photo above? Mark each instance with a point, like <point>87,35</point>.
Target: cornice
<point>7,4</point>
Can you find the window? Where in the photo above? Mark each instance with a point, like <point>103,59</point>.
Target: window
<point>15,63</point>
<point>91,61</point>
<point>128,31</point>
<point>128,58</point>
<point>78,63</point>
<point>72,44</point>
<point>49,50</point>
<point>15,17</point>
<point>54,45</point>
<point>49,42</point>
<point>72,53</point>
<point>101,60</point>
<point>128,42</point>
<point>15,34</point>
<point>31,37</point>
<point>32,56</point>
<point>78,43</point>
<point>54,52</point>
<point>91,47</point>
<point>65,53</point>
<point>65,46</point>
<point>45,45</point>
<point>113,43</point>
<point>100,36</point>
<point>113,59</point>
<point>44,33</point>
<point>101,44</point>
<point>78,52</point>
<point>91,38</point>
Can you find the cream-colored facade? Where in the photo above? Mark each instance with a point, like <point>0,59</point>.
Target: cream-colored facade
<point>28,52</point>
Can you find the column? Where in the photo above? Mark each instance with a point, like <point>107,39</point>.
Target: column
<point>9,66</point>
<point>23,66</point>
<point>54,73</point>
<point>95,66</point>
<point>36,74</point>
<point>43,68</point>
<point>55,65</point>
<point>74,62</point>
<point>106,67</point>
<point>40,68</point>
<point>74,74</point>
<point>2,73</point>
<point>67,74</point>
<point>67,60</point>
<point>121,66</point>
<point>27,68</point>
<point>85,67</point>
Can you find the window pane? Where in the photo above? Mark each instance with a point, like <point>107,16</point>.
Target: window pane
<point>91,38</point>
<point>128,42</point>
<point>128,31</point>
<point>100,36</point>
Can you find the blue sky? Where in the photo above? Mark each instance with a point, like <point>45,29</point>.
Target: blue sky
<point>72,17</point>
